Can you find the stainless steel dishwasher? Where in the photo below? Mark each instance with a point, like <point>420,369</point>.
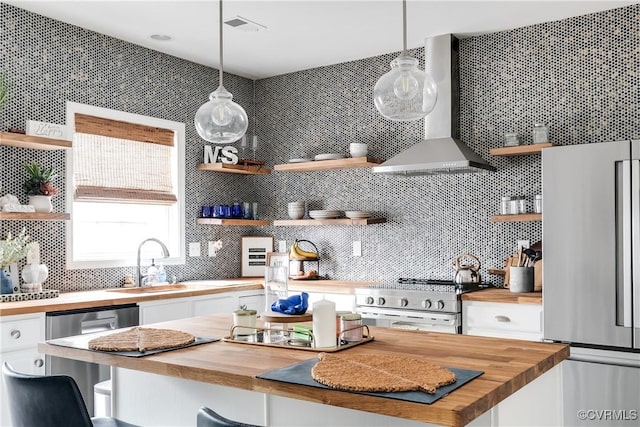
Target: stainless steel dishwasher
<point>60,324</point>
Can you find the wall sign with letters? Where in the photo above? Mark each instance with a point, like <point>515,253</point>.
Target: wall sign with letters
<point>217,154</point>
<point>48,130</point>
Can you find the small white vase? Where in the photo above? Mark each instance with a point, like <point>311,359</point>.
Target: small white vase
<point>41,203</point>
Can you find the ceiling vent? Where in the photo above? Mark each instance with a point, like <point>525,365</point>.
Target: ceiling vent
<point>244,24</point>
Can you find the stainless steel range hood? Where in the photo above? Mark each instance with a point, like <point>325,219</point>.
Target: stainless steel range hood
<point>441,151</point>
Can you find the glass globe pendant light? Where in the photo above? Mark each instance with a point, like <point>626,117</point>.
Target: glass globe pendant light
<point>221,121</point>
<point>405,93</point>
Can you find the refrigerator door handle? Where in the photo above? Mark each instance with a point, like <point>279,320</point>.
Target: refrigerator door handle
<point>635,248</point>
<point>624,236</point>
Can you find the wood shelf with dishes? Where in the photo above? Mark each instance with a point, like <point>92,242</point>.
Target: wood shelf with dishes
<point>33,142</point>
<point>237,169</point>
<point>34,216</point>
<point>520,150</point>
<point>527,217</point>
<point>232,221</point>
<point>323,165</point>
<point>331,221</point>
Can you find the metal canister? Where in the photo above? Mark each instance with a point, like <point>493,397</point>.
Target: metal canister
<point>351,327</point>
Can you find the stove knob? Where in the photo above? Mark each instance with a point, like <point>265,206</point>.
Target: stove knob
<point>440,305</point>
<point>426,303</point>
<point>381,301</point>
<point>369,300</point>
<point>403,302</point>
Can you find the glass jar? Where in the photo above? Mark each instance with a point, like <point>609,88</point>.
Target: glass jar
<point>540,133</point>
<point>522,205</point>
<point>351,326</point>
<point>505,205</point>
<point>537,204</point>
<point>511,139</point>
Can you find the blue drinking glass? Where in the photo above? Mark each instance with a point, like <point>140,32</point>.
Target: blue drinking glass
<point>206,212</point>
<point>236,210</point>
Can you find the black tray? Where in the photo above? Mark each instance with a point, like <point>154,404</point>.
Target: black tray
<point>300,373</point>
<point>82,342</point>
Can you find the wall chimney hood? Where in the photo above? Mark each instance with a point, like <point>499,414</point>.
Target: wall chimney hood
<point>441,151</point>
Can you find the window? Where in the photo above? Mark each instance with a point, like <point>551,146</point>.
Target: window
<point>125,183</point>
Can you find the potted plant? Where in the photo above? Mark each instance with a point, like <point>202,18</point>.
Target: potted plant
<point>39,186</point>
<point>11,250</point>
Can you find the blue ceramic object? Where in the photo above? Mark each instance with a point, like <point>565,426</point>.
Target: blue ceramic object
<point>6,283</point>
<point>295,304</point>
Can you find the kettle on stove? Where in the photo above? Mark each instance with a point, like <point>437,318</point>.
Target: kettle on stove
<point>466,273</point>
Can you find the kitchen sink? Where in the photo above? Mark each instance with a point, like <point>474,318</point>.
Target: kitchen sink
<point>151,289</point>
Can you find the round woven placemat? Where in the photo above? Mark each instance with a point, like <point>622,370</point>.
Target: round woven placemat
<point>141,339</point>
<point>379,373</point>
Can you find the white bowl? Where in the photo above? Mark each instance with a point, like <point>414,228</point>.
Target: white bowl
<point>296,204</point>
<point>358,149</point>
<point>296,215</point>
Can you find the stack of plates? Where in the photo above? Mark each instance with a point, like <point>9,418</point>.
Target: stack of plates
<point>329,156</point>
<point>325,214</point>
<point>357,214</point>
<point>301,160</point>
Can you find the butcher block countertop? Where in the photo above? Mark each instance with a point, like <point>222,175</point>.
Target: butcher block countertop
<point>119,296</point>
<point>503,295</point>
<point>508,365</point>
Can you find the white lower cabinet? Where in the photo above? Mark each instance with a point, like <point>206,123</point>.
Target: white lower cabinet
<point>221,303</point>
<point>19,339</point>
<point>165,310</point>
<point>502,320</point>
<point>181,308</point>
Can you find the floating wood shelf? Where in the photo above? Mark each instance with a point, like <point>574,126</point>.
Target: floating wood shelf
<point>323,165</point>
<point>520,150</point>
<point>34,216</point>
<point>517,218</point>
<point>231,221</point>
<point>337,221</point>
<point>33,142</point>
<point>239,169</point>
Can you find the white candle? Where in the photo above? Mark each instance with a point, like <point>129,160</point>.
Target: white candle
<point>324,323</point>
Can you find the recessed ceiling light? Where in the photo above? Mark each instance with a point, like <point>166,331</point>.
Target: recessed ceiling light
<point>160,37</point>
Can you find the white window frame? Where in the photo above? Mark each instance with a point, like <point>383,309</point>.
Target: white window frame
<point>179,128</point>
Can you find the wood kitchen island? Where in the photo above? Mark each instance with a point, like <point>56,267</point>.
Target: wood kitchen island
<point>168,388</point>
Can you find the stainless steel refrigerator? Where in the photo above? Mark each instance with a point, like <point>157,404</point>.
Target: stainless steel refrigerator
<point>591,277</point>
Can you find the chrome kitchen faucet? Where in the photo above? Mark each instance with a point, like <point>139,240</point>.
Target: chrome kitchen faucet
<point>165,253</point>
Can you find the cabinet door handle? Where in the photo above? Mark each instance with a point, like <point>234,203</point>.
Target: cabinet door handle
<point>501,318</point>
<point>15,334</point>
<point>39,363</point>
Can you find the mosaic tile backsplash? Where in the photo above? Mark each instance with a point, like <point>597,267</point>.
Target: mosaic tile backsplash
<point>580,75</point>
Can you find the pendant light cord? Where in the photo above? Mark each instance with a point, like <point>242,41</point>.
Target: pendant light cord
<point>404,27</point>
<point>220,83</point>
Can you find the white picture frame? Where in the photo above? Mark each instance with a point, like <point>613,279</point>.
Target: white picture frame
<point>254,255</point>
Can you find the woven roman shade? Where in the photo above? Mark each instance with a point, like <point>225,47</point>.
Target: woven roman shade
<point>118,161</point>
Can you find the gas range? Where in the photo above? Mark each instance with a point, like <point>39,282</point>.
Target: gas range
<point>409,303</point>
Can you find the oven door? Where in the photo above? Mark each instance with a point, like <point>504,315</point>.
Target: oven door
<point>412,320</point>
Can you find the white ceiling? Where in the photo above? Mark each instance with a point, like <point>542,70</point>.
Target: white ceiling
<point>300,34</point>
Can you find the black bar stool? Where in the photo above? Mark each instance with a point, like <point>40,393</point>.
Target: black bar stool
<point>49,401</point>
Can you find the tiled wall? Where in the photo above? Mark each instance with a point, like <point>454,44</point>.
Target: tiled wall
<point>579,74</point>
